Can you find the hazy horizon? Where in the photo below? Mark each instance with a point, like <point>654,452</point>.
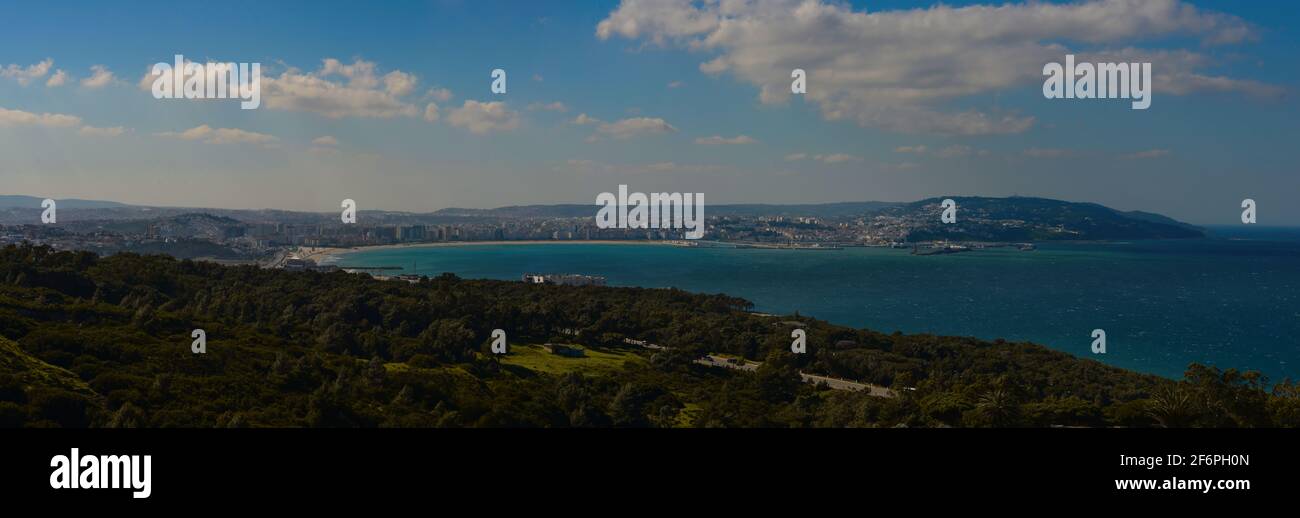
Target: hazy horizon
<point>775,204</point>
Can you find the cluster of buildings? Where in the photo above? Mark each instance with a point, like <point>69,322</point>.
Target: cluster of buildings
<point>271,235</point>
<point>102,242</point>
<point>264,235</point>
<point>564,279</point>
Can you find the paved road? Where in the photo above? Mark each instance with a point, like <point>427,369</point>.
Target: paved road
<point>728,363</point>
<point>712,360</point>
<point>839,384</point>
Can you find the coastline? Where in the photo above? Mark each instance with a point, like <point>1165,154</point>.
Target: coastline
<point>326,255</point>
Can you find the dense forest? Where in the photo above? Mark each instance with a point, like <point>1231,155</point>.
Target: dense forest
<point>89,341</point>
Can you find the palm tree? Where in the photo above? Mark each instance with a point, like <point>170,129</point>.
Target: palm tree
<point>998,407</point>
<point>1171,407</point>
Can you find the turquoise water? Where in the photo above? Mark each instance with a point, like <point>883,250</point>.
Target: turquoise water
<point>1163,304</point>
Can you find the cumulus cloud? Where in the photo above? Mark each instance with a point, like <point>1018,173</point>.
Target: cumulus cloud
<point>91,131</point>
<point>59,78</point>
<point>900,70</point>
<point>1180,72</point>
<point>483,118</point>
<point>210,135</point>
<point>556,106</point>
<point>339,90</point>
<point>431,113</point>
<point>25,75</point>
<point>837,158</point>
<point>100,77</point>
<point>633,127</point>
<point>12,118</point>
<point>48,120</point>
<point>718,140</point>
<point>832,158</point>
<point>399,83</point>
<point>441,95</point>
<point>583,119</point>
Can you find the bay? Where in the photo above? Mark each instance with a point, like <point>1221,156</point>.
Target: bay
<point>1230,301</point>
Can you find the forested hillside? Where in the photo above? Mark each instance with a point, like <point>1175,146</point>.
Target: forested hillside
<point>93,341</point>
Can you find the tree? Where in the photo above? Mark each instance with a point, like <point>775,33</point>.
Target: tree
<point>1171,407</point>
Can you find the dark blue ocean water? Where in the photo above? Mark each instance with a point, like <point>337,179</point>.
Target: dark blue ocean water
<point>1230,301</point>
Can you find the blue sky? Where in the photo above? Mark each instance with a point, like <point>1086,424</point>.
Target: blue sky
<point>1223,130</point>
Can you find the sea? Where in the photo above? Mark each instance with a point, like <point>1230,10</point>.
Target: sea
<point>1231,300</point>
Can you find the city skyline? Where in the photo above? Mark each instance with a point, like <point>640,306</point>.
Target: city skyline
<point>905,101</point>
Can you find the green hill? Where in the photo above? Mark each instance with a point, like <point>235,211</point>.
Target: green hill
<point>1035,219</point>
<point>53,396</point>
<point>33,373</point>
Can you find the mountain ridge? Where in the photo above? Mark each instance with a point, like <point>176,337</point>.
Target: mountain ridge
<point>980,218</point>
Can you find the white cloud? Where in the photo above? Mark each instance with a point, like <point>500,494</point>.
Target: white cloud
<point>360,74</point>
<point>676,84</point>
<point>339,90</point>
<point>431,112</point>
<point>399,83</point>
<point>441,95</point>
<point>582,120</point>
<point>25,75</point>
<point>58,79</point>
<point>718,140</point>
<point>325,141</point>
<point>833,158</point>
<point>914,150</point>
<point>482,118</point>
<point>556,106</point>
<point>91,131</point>
<point>633,127</point>
<point>48,120</point>
<point>899,70</point>
<point>11,118</point>
<point>837,158</point>
<point>209,135</point>
<point>100,77</point>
